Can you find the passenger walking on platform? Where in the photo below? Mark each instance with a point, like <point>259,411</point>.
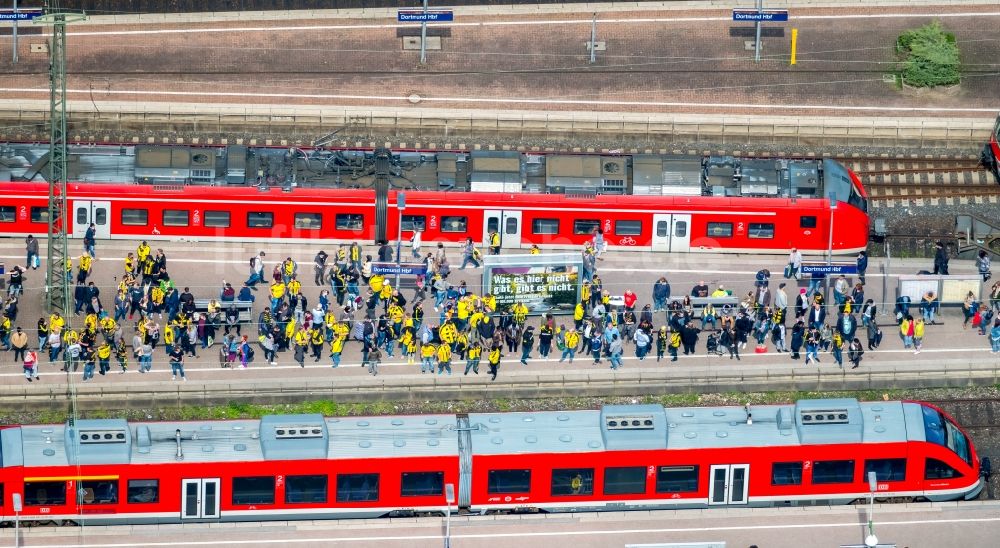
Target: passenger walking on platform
<point>854,353</point>
<point>940,259</point>
<point>906,331</point>
<point>812,346</point>
<point>121,354</point>
<point>88,358</point>
<point>472,357</point>
<point>19,343</point>
<point>662,342</point>
<point>918,335</point>
<point>544,340</point>
<point>444,358</point>
<point>969,308</point>
<point>30,363</point>
<point>794,268</point>
<point>496,353</point>
<point>494,238</point>
<point>570,342</point>
<point>145,356</point>
<point>527,343</point>
<point>995,337</point>
<point>246,352</point>
<point>594,346</point>
<point>177,364</point>
<point>675,344</point>
<point>256,271</point>
<point>104,358</point>
<point>90,241</point>
<point>31,249</point>
<point>798,338</point>
<point>862,264</point>
<point>837,348</point>
<point>319,268</point>
<point>415,242</point>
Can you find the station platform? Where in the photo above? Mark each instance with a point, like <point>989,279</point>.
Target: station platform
<point>952,356</point>
<point>971,524</point>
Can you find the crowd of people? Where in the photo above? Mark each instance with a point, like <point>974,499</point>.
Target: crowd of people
<point>355,305</point>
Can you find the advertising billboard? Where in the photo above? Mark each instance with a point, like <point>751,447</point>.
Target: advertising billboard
<point>544,283</point>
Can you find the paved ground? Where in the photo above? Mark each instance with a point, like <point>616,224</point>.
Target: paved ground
<point>670,61</point>
<point>911,525</point>
<point>204,266</point>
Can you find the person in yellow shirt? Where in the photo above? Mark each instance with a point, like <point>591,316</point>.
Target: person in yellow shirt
<point>142,252</point>
<point>578,314</point>
<point>104,357</point>
<point>316,341</point>
<point>86,262</point>
<point>336,347</point>
<point>472,358</point>
<point>570,341</point>
<point>301,340</point>
<point>427,353</point>
<point>534,250</point>
<point>444,359</point>
<point>496,353</point>
<point>277,293</point>
<point>918,335</point>
<point>520,313</point>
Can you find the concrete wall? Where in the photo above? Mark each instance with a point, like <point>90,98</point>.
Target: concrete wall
<point>26,120</point>
<point>631,381</point>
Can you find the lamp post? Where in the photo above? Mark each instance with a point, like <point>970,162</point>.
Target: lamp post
<point>829,251</point>
<point>400,206</point>
<point>449,499</point>
<point>871,540</point>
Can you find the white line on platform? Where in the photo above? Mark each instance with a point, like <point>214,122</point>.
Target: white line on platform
<point>502,101</point>
<point>522,23</point>
<point>527,534</point>
<point>458,366</point>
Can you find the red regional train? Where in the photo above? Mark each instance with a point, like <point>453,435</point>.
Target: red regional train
<point>991,152</point>
<point>625,457</point>
<point>668,204</point>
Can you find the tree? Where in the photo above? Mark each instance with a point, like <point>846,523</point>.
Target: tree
<point>930,56</point>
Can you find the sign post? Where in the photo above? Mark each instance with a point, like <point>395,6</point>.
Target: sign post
<point>423,17</point>
<point>14,15</point>
<point>18,508</point>
<point>758,16</point>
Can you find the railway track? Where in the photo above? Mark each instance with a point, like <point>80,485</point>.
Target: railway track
<point>918,182</point>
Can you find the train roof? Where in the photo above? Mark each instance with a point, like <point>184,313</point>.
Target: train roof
<point>630,427</point>
<point>295,169</point>
<point>613,428</point>
<point>273,437</point>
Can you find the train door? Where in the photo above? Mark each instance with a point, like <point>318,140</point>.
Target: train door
<point>86,212</point>
<point>200,498</point>
<point>506,223</point>
<point>728,484</point>
<point>671,232</point>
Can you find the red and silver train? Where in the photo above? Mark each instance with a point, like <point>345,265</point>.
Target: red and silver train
<point>991,152</point>
<point>627,457</point>
<point>731,205</point>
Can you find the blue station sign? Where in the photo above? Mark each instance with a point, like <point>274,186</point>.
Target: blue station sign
<point>405,269</point>
<point>19,15</point>
<point>820,270</point>
<point>771,16</point>
<point>420,16</point>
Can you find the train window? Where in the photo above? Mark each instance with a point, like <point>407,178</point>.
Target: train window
<point>217,219</point>
<point>260,219</point>
<point>350,221</point>
<point>720,230</point>
<point>761,230</point>
<point>833,471</point>
<point>508,481</point>
<point>786,473</point>
<point>176,217</point>
<point>7,214</point>
<point>300,489</point>
<point>143,491</point>
<point>545,226</point>
<point>414,222</point>
<point>44,493</point>
<point>628,228</point>
<point>935,470</point>
<point>99,492</point>
<point>680,229</point>
<point>253,490</point>
<point>309,221</point>
<point>585,226</point>
<point>492,224</point>
<point>422,484</point>
<point>572,481</point>
<point>39,214</point>
<point>511,225</point>
<point>454,223</point>
<point>135,217</point>
<point>676,479</point>
<point>662,229</point>
<point>629,480</point>
<point>886,469</point>
<point>807,221</point>
<point>1,495</point>
<point>357,487</point>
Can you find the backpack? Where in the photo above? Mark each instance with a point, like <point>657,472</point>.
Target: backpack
<point>249,353</point>
<point>251,261</point>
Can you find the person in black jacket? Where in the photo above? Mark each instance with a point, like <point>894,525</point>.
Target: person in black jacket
<point>689,338</point>
<point>527,342</point>
<point>798,333</point>
<point>940,259</point>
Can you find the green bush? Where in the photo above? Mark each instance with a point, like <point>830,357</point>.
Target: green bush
<point>930,56</point>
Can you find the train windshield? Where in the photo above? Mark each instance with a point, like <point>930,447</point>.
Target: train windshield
<point>939,430</point>
<point>857,200</point>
